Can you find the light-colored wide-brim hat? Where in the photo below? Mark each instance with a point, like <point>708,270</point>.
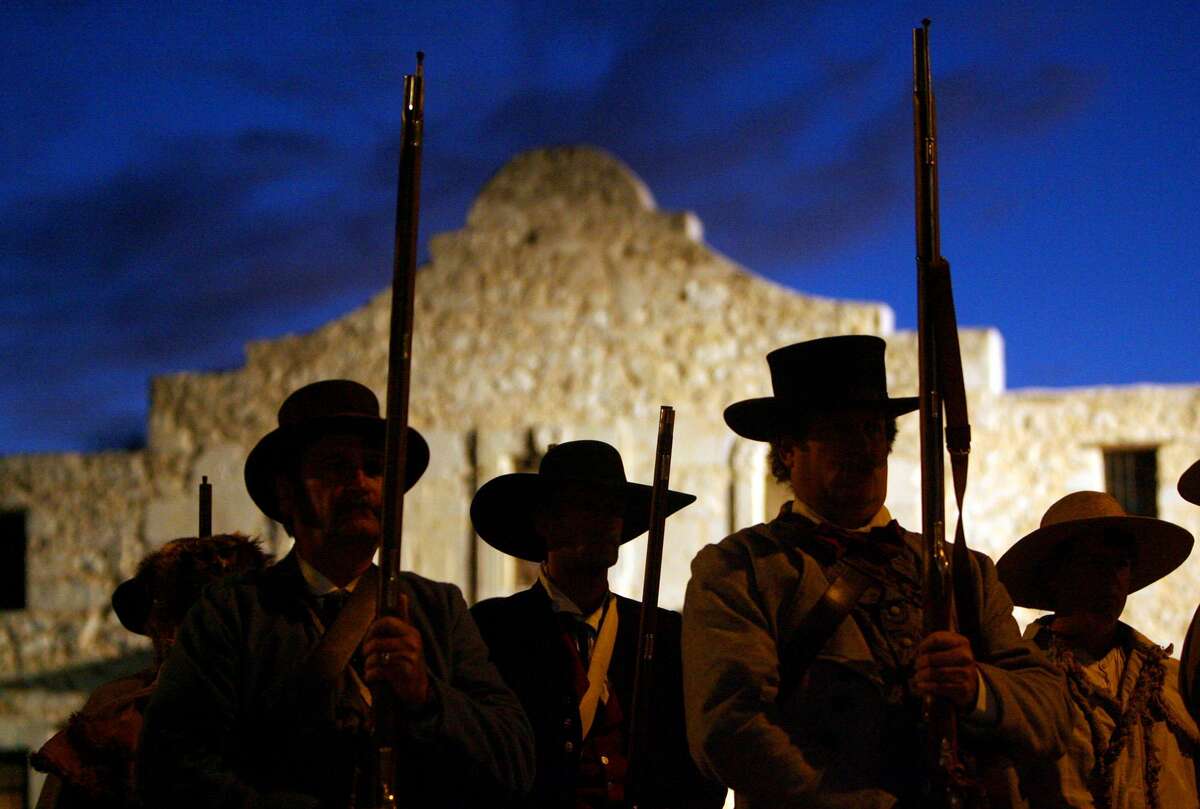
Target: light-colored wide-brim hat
<point>1189,484</point>
<point>1159,546</point>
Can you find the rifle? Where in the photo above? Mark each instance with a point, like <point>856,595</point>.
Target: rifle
<point>404,271</point>
<point>205,508</point>
<point>940,386</point>
<point>643,676</point>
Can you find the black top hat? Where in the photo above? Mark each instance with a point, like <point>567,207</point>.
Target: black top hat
<point>503,508</point>
<point>329,407</point>
<point>1158,546</point>
<point>1189,484</point>
<point>828,374</point>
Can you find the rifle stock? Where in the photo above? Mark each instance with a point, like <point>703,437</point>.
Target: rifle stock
<point>404,270</point>
<point>643,678</point>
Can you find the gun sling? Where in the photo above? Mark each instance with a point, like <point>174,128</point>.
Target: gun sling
<point>818,626</point>
<point>333,652</point>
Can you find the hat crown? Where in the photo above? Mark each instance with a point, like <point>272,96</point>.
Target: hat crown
<point>847,368</point>
<point>329,397</point>
<point>583,461</point>
<point>1083,506</point>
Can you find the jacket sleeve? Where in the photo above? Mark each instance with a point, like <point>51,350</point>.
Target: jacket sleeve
<point>1033,720</point>
<point>192,714</point>
<point>477,722</point>
<point>730,684</point>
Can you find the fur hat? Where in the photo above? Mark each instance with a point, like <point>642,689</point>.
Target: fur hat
<point>170,579</point>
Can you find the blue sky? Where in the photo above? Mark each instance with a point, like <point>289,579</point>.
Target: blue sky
<point>176,181</point>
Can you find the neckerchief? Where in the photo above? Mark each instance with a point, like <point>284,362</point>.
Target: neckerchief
<point>828,543</point>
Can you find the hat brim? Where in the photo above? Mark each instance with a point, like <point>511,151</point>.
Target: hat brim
<point>1189,484</point>
<point>503,512</point>
<point>1025,569</point>
<point>131,602</point>
<point>764,419</point>
<point>265,462</point>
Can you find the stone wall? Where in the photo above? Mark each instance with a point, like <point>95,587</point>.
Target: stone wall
<point>568,306</point>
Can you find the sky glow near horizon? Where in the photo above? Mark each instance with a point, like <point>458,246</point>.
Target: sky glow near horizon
<point>176,182</point>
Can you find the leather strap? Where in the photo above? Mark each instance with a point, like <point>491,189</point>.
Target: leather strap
<point>958,439</point>
<point>818,626</point>
<point>332,654</point>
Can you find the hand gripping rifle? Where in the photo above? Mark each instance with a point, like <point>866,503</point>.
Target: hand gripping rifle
<point>643,677</point>
<point>404,272</point>
<point>947,581</point>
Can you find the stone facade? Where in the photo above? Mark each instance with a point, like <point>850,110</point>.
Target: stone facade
<point>567,307</point>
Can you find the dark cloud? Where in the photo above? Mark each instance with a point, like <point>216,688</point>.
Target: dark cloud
<point>268,208</point>
<point>835,197</point>
<point>176,262</point>
<point>986,100</point>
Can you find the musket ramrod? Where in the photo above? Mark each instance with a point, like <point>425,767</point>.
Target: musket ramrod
<point>404,271</point>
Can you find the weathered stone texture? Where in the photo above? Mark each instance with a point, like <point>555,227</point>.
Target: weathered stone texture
<point>83,535</point>
<point>568,306</point>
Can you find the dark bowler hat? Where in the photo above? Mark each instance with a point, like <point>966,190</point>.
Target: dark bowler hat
<point>824,375</point>
<point>1189,484</point>
<point>330,407</point>
<point>1158,546</point>
<point>503,508</point>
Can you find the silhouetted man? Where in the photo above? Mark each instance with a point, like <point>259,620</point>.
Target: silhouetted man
<point>251,712</point>
<point>802,695</point>
<point>1133,743</point>
<point>568,645</point>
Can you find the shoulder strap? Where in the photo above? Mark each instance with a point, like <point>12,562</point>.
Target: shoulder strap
<point>958,444</point>
<point>337,645</point>
<point>818,626</point>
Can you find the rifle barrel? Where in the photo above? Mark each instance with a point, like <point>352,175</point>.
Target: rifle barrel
<point>643,678</point>
<point>947,781</point>
<point>205,508</point>
<point>404,271</point>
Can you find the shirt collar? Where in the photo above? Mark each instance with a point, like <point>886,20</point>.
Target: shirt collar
<point>560,602</point>
<point>318,583</point>
<point>881,518</point>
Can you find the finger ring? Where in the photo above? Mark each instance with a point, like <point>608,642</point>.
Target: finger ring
<point>385,657</point>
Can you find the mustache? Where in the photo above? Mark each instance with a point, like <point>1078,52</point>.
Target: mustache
<point>351,503</point>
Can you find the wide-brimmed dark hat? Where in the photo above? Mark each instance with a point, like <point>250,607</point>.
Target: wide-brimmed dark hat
<point>503,508</point>
<point>1189,484</point>
<point>1158,546</point>
<point>175,574</point>
<point>825,375</point>
<point>331,407</point>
